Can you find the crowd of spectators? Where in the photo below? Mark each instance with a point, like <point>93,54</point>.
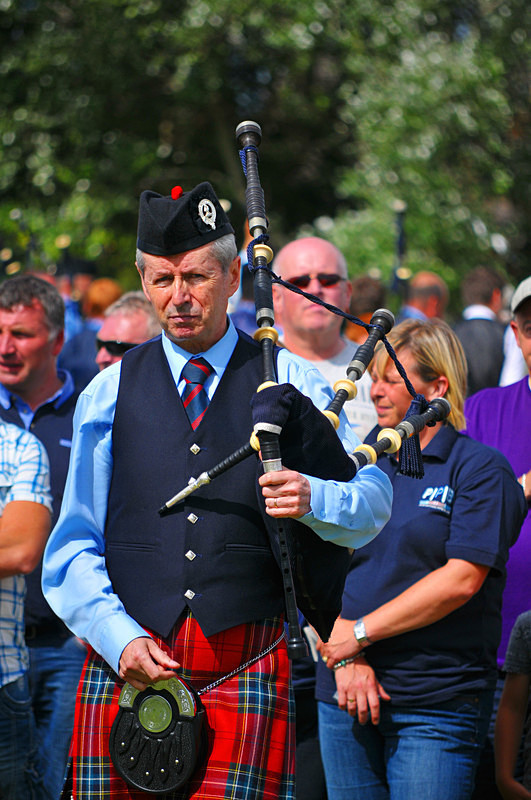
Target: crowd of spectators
<point>435,632</point>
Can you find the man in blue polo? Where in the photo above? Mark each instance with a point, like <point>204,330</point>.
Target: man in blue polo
<point>35,395</point>
<point>196,592</point>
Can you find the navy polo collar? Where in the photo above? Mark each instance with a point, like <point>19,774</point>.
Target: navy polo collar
<point>60,397</point>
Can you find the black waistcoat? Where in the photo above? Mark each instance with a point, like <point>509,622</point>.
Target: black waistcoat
<point>211,553</point>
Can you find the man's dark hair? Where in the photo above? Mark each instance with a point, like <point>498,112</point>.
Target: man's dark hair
<point>479,284</point>
<point>368,294</point>
<point>23,290</point>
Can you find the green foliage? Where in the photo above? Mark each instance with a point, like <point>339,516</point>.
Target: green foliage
<point>360,104</point>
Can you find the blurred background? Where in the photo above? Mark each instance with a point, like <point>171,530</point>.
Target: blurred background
<point>398,130</point>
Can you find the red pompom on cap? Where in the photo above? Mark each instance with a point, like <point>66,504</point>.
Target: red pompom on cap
<point>176,192</point>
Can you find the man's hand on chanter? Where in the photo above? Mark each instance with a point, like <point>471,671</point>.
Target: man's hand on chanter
<point>287,493</point>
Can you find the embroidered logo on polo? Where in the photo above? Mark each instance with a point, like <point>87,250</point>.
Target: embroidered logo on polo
<point>207,212</point>
<point>438,498</point>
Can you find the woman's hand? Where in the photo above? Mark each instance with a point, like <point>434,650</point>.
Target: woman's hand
<point>359,692</point>
<point>341,644</point>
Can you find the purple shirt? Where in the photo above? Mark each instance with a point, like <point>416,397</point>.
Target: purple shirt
<point>501,418</point>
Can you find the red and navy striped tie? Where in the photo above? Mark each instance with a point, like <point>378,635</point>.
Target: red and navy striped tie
<point>194,397</point>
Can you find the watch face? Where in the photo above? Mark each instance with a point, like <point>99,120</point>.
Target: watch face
<point>360,632</point>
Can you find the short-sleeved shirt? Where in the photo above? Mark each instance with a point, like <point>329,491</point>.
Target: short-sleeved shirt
<point>468,506</point>
<point>500,418</point>
<point>24,475</point>
<point>518,661</point>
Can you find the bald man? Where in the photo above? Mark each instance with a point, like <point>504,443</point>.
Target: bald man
<point>309,330</point>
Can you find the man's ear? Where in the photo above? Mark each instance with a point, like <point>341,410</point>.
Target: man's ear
<point>58,342</point>
<point>234,275</point>
<point>514,328</point>
<point>142,282</point>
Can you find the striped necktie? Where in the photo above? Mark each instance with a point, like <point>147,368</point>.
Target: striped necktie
<point>194,397</point>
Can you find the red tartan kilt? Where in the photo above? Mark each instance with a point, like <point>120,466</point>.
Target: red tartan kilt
<point>250,718</point>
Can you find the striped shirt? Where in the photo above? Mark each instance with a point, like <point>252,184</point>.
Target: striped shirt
<point>24,475</point>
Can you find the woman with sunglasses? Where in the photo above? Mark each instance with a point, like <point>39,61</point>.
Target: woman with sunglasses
<point>405,702</point>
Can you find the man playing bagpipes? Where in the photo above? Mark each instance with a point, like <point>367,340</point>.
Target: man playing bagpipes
<point>191,599</point>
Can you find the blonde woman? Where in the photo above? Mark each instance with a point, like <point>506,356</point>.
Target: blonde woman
<point>414,651</point>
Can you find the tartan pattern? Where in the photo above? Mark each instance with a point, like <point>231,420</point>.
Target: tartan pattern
<point>250,718</point>
<point>194,397</point>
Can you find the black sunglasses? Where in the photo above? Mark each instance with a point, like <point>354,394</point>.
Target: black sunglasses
<point>115,348</point>
<point>324,278</point>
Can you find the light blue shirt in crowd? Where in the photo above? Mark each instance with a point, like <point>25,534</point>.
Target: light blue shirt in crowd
<point>75,579</point>
<point>24,475</point>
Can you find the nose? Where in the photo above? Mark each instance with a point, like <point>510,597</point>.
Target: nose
<point>377,387</point>
<point>180,292</point>
<point>314,287</point>
<point>6,343</point>
<point>103,358</point>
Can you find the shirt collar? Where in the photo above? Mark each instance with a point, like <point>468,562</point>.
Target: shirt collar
<point>217,356</point>
<point>441,445</point>
<point>65,391</point>
<point>478,311</point>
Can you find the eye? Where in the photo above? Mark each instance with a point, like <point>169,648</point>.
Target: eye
<point>162,280</point>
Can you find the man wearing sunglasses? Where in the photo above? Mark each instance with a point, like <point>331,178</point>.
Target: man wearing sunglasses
<point>128,322</point>
<point>311,331</point>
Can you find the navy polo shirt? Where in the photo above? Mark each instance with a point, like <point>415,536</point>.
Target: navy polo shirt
<point>467,506</point>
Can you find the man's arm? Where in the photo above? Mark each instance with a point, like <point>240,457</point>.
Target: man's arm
<point>74,577</point>
<point>24,528</point>
<point>349,513</point>
<point>26,501</point>
<point>508,735</point>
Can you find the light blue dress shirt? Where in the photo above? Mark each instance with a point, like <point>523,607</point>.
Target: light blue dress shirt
<point>75,579</point>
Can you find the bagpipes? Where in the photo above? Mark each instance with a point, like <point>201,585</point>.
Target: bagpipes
<point>290,431</point>
<point>158,738</point>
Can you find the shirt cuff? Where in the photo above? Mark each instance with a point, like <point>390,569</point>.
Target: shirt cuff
<point>118,631</point>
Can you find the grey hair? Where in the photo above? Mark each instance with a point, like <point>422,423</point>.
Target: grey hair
<point>223,249</point>
<point>23,290</point>
<point>131,303</point>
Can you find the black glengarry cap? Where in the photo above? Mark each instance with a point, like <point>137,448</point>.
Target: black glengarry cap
<point>183,221</point>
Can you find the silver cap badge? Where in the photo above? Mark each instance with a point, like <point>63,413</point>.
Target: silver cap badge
<point>207,212</point>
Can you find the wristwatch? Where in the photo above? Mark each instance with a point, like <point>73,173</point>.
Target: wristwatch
<point>360,634</point>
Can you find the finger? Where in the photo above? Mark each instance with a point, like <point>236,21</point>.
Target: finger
<point>352,706</point>
<point>362,708</point>
<point>383,694</point>
<point>374,705</point>
<point>140,662</point>
<point>160,657</point>
<point>146,675</point>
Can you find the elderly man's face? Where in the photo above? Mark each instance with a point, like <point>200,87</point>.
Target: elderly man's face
<point>189,293</point>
